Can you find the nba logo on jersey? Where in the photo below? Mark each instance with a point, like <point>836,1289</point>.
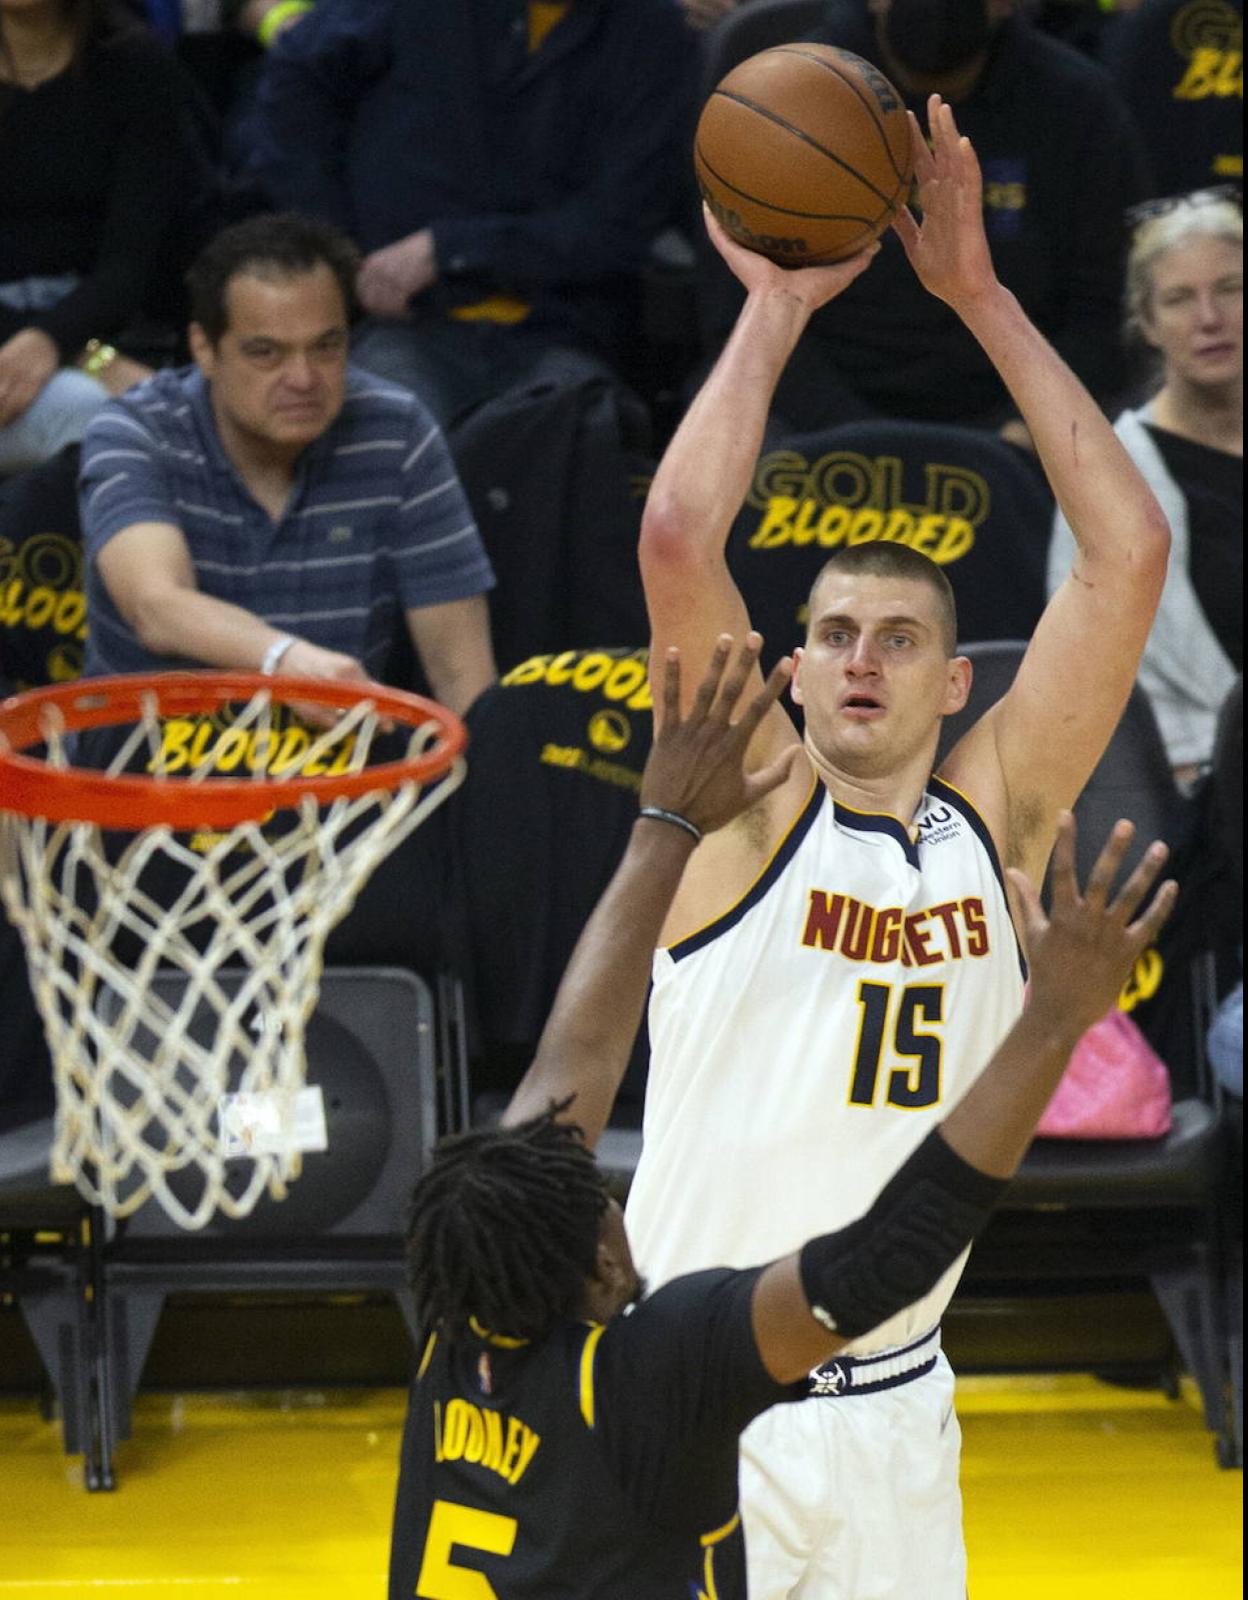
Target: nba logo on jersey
<point>485,1374</point>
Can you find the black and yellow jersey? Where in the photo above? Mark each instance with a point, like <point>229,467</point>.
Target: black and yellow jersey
<point>600,1464</point>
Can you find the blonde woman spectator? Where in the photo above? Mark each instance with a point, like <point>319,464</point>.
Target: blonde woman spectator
<point>1185,299</point>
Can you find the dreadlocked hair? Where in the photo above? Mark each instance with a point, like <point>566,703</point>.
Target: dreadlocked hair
<point>503,1229</point>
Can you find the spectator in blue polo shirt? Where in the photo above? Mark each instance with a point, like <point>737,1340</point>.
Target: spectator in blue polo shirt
<point>271,509</point>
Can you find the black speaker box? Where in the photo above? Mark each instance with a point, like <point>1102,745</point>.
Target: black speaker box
<point>371,1051</point>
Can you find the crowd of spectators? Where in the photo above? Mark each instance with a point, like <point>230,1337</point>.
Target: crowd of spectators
<point>429,211</point>
<point>502,170</point>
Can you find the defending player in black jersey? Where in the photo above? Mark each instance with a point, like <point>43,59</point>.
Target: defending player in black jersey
<point>560,1446</point>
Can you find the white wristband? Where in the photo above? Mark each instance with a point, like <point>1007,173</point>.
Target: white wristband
<point>274,654</point>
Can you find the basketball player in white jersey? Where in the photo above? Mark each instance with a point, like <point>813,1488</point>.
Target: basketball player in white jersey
<point>840,963</point>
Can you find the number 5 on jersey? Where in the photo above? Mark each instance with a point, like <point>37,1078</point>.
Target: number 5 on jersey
<point>451,1525</point>
<point>908,1087</point>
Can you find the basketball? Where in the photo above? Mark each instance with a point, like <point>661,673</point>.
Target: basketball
<point>803,153</point>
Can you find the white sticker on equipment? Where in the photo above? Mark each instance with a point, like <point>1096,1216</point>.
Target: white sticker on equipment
<point>272,1123</point>
<point>310,1130</point>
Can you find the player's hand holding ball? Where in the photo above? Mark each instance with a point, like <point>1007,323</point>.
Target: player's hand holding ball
<point>949,249</point>
<point>804,156</point>
<point>813,286</point>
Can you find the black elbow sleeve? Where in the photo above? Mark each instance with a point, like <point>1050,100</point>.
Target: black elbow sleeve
<point>921,1222</point>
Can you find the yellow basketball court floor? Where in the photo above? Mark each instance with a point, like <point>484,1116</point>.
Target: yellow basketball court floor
<point>1075,1490</point>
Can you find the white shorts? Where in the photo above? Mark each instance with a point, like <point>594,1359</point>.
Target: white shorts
<point>856,1497</point>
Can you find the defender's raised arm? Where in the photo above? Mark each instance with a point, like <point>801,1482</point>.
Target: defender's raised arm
<point>695,781</point>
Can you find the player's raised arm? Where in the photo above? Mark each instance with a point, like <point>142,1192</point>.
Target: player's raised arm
<point>706,470</point>
<point>695,781</point>
<point>842,1285</point>
<point>1046,736</point>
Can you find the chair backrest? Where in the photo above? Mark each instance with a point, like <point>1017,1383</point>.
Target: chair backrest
<point>964,497</point>
<point>556,476</point>
<point>1227,779</point>
<point>43,627</point>
<point>753,26</point>
<point>25,1066</point>
<point>1132,779</point>
<point>995,665</point>
<point>1165,992</point>
<point>43,608</point>
<point>557,749</point>
<point>1180,71</point>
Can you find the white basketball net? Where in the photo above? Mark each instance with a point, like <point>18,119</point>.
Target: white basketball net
<point>138,1096</point>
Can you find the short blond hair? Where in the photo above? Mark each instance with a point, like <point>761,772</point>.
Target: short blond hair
<point>882,558</point>
<point>1190,218</point>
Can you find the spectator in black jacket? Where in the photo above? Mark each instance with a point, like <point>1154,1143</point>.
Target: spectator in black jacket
<point>1061,161</point>
<point>503,176</point>
<point>91,180</point>
<point>1180,67</point>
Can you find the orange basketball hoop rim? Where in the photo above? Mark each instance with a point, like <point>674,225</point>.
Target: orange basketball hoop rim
<point>32,787</point>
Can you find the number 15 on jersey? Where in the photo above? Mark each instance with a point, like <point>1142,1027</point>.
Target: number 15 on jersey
<point>899,1020</point>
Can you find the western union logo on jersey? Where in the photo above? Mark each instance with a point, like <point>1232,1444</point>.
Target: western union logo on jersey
<point>486,1438</point>
<point>859,932</point>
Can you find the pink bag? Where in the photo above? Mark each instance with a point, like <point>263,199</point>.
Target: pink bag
<point>1115,1087</point>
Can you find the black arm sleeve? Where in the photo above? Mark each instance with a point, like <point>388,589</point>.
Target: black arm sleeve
<point>921,1222</point>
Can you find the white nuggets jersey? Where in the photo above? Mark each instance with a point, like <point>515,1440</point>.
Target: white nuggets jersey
<point>805,1042</point>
